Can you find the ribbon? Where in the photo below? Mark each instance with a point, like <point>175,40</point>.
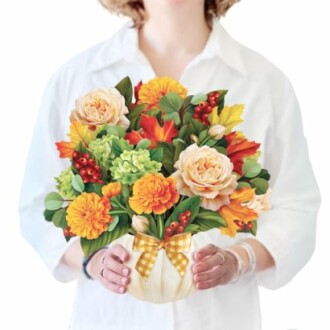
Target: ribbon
<point>149,246</point>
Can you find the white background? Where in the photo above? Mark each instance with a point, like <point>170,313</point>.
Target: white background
<point>37,36</point>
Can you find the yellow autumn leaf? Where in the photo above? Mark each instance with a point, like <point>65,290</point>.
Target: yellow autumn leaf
<point>230,116</point>
<point>214,117</point>
<point>81,133</point>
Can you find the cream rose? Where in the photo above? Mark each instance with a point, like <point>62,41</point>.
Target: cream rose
<point>202,171</point>
<point>260,203</point>
<point>100,107</point>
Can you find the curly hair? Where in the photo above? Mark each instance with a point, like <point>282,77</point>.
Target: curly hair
<point>135,8</point>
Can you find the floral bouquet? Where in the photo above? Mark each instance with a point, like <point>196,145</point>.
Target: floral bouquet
<point>154,174</point>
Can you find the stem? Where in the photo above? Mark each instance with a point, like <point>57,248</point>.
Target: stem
<point>118,212</point>
<point>160,226</point>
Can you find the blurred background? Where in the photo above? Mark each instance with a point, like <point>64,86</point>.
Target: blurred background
<point>37,36</point>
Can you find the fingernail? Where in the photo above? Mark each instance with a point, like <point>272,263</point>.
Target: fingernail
<point>121,289</point>
<point>125,271</point>
<point>123,280</point>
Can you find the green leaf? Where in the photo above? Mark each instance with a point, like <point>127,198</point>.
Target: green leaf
<point>134,116</point>
<point>180,145</point>
<point>125,88</point>
<point>53,201</point>
<point>191,228</point>
<point>187,117</point>
<point>143,144</point>
<point>94,187</point>
<point>48,215</point>
<point>192,204</point>
<point>77,183</point>
<point>202,135</point>
<point>168,156</point>
<point>114,223</point>
<point>251,169</point>
<point>183,133</point>
<point>196,99</point>
<point>171,102</point>
<point>187,101</point>
<point>205,216</point>
<point>254,227</point>
<point>125,191</point>
<point>221,150</point>
<point>59,218</point>
<point>196,126</point>
<point>210,142</point>
<point>152,225</point>
<point>156,154</point>
<point>221,101</point>
<point>90,246</point>
<point>116,131</point>
<point>118,146</point>
<point>243,184</point>
<point>207,225</point>
<point>173,116</point>
<point>264,175</point>
<point>261,185</point>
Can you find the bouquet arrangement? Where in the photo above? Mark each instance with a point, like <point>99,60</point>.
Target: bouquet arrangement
<point>153,173</point>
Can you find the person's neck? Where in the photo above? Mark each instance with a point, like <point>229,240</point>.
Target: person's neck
<point>175,30</point>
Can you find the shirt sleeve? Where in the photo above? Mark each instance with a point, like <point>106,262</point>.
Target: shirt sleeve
<point>43,164</point>
<point>288,230</point>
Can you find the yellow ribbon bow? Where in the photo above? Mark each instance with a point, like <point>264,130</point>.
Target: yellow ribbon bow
<point>149,246</point>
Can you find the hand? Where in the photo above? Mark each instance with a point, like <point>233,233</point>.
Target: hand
<point>213,266</point>
<point>107,267</point>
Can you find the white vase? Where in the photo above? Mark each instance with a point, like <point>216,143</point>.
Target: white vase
<point>165,283</point>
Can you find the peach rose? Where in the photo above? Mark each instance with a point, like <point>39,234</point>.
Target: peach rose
<point>100,107</point>
<point>202,171</point>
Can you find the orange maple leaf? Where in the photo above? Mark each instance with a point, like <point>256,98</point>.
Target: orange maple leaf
<point>239,147</point>
<point>134,137</point>
<point>237,211</point>
<point>78,133</point>
<point>65,148</point>
<point>155,133</point>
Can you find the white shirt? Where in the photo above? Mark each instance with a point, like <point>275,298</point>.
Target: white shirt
<point>271,117</point>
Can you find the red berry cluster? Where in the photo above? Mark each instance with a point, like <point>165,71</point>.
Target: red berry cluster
<point>67,232</point>
<point>242,226</point>
<point>204,108</point>
<point>88,169</point>
<point>178,227</point>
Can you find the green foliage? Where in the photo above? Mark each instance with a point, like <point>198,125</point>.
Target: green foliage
<point>251,169</point>
<point>171,102</point>
<point>156,154</point>
<point>125,88</point>
<point>134,116</point>
<point>77,183</point>
<point>192,204</point>
<point>200,97</point>
<point>143,144</point>
<point>191,228</point>
<point>90,246</point>
<point>173,116</point>
<point>48,215</point>
<point>59,218</point>
<point>53,201</point>
<point>168,156</point>
<point>207,220</point>
<point>260,184</point>
<point>114,223</point>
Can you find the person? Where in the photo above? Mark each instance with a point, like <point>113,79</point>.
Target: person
<point>182,39</point>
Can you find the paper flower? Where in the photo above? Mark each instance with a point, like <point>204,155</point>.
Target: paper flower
<point>151,92</point>
<point>202,171</point>
<point>153,193</point>
<point>88,215</point>
<point>64,185</point>
<point>132,165</point>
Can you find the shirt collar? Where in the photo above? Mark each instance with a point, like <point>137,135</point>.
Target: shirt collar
<point>124,46</point>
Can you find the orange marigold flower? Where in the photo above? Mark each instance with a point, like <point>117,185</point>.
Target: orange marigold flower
<point>151,92</point>
<point>153,193</point>
<point>111,189</point>
<point>88,215</point>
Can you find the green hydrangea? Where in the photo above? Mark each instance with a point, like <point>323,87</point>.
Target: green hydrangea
<point>132,165</point>
<point>253,158</point>
<point>102,149</point>
<point>64,184</point>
